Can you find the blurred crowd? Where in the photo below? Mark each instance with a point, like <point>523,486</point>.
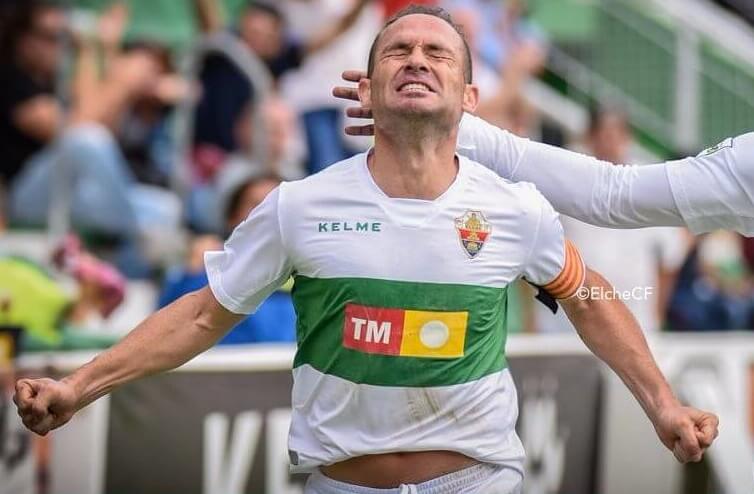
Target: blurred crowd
<point>154,164</point>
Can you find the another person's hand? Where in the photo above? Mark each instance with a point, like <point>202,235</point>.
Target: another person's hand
<point>171,89</point>
<point>686,431</point>
<point>137,73</point>
<point>112,25</point>
<point>527,58</point>
<point>352,93</point>
<point>45,404</point>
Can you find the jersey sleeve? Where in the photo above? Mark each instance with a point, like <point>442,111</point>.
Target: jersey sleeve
<point>577,185</point>
<point>253,262</point>
<point>714,190</point>
<point>554,263</point>
<point>490,146</point>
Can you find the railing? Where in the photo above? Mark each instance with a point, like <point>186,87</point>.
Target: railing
<point>252,68</point>
<point>572,117</point>
<point>680,84</point>
<point>61,191</point>
<point>223,43</point>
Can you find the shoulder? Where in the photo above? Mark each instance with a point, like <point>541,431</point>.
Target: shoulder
<point>519,205</point>
<point>523,195</point>
<point>474,131</point>
<point>335,180</point>
<point>490,145</point>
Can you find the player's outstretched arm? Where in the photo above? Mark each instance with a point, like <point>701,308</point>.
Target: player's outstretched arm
<point>165,340</point>
<point>575,184</point>
<point>611,332</point>
<point>707,192</point>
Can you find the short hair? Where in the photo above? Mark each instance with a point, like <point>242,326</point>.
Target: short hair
<point>234,201</point>
<point>438,12</point>
<point>265,8</point>
<point>598,113</point>
<point>17,19</point>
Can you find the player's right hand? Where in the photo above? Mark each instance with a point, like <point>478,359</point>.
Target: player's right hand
<point>44,404</point>
<point>351,93</point>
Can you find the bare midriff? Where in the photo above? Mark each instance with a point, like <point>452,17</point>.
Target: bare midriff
<point>389,470</point>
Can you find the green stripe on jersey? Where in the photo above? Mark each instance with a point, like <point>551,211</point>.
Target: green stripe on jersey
<point>321,305</point>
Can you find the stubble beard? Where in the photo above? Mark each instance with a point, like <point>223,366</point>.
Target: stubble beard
<point>414,124</point>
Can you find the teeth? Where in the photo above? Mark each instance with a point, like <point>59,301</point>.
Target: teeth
<point>415,87</point>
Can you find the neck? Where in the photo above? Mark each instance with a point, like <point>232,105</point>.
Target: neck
<point>415,164</point>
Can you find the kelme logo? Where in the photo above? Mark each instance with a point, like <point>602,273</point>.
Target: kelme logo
<point>349,226</point>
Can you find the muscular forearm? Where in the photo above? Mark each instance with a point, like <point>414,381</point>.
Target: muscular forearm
<point>611,332</point>
<point>165,340</point>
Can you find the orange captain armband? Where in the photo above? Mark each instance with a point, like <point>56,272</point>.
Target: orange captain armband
<point>571,278</point>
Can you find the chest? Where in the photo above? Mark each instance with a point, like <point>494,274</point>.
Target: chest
<point>468,242</point>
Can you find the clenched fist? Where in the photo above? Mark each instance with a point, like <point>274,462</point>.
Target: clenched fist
<point>686,431</point>
<point>44,404</point>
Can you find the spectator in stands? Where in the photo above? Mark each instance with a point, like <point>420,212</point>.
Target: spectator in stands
<point>65,308</point>
<point>641,264</point>
<point>715,289</point>
<point>505,28</point>
<point>241,189</point>
<point>392,7</point>
<point>30,48</point>
<point>348,42</point>
<point>50,151</point>
<point>262,27</point>
<point>501,98</point>
<point>141,131</point>
<point>284,157</point>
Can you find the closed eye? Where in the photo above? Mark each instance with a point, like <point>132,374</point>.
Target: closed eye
<point>397,49</point>
<point>439,52</point>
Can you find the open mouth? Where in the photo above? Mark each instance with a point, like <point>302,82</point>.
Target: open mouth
<point>414,87</point>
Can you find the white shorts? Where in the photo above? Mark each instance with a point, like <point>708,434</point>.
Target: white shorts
<point>484,478</point>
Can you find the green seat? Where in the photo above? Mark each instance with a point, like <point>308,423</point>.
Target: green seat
<point>172,22</point>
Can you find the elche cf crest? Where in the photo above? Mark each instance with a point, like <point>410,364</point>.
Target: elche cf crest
<point>473,230</point>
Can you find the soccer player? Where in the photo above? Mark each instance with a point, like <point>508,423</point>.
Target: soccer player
<point>714,190</point>
<point>402,258</point>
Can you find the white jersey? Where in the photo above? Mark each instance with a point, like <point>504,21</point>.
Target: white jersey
<point>401,307</point>
<point>711,191</point>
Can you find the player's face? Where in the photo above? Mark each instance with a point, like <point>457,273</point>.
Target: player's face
<point>419,71</point>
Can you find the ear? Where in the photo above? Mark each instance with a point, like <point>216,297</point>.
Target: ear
<point>470,98</point>
<point>365,92</point>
